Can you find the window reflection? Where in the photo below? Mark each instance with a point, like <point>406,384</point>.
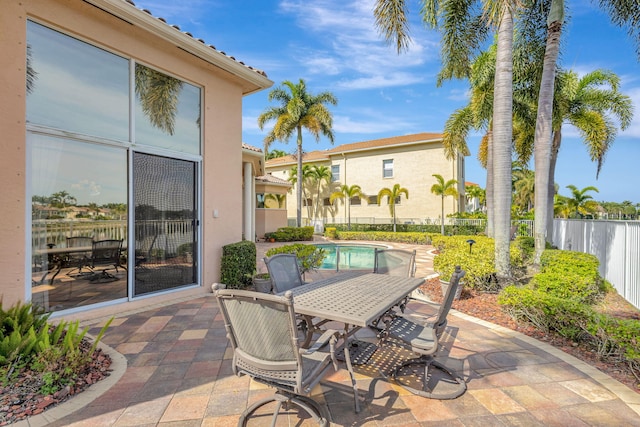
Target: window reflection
<point>74,86</point>
<point>78,190</point>
<point>167,111</point>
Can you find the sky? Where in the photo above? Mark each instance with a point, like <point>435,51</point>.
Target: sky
<point>334,46</point>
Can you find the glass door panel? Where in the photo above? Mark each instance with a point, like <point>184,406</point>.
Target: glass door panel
<point>165,221</point>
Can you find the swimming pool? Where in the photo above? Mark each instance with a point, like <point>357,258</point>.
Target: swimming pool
<point>348,256</point>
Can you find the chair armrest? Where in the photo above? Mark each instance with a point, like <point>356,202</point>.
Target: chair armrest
<point>330,336</point>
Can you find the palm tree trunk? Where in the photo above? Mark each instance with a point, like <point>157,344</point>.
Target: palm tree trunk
<point>555,148</point>
<point>544,127</point>
<point>442,215</point>
<point>299,187</point>
<point>488,196</point>
<point>502,139</point>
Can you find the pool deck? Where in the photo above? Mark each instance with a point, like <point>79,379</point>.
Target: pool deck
<point>173,368</point>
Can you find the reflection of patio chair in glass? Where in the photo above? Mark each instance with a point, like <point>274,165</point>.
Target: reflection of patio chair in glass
<point>262,332</point>
<point>78,260</point>
<point>105,253</point>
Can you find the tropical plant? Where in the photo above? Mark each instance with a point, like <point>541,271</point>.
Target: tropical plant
<point>523,188</point>
<point>274,154</point>
<point>393,197</point>
<point>346,193</point>
<point>159,95</point>
<point>475,192</point>
<point>443,189</point>
<point>580,203</point>
<point>298,109</point>
<point>304,183</point>
<point>279,199</point>
<point>62,199</point>
<point>319,175</point>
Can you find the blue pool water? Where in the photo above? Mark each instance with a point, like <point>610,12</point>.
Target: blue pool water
<point>348,257</point>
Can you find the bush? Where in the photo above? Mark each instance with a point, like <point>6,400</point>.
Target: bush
<point>400,237</point>
<point>331,233</point>
<point>568,274</point>
<point>238,264</point>
<point>28,341</point>
<point>310,257</point>
<point>293,234</point>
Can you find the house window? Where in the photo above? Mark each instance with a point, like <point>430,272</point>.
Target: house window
<point>398,200</point>
<point>387,168</point>
<point>355,201</point>
<point>307,202</point>
<point>260,201</point>
<point>373,200</point>
<point>326,202</point>
<point>335,173</point>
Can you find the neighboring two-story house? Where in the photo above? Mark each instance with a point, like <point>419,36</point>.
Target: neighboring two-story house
<point>407,160</point>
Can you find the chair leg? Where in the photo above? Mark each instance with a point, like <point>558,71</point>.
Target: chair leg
<point>285,399</point>
<point>452,385</point>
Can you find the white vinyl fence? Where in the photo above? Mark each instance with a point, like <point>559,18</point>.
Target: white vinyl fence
<point>615,243</point>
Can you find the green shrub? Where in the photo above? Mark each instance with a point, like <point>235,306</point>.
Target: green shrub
<point>331,233</point>
<point>399,237</point>
<point>293,234</point>
<point>238,264</point>
<point>28,341</point>
<point>310,257</point>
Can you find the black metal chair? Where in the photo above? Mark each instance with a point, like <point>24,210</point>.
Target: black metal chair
<point>106,254</point>
<point>438,381</point>
<point>262,331</point>
<point>78,260</point>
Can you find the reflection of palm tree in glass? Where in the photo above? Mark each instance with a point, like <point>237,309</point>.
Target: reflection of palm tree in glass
<point>279,199</point>
<point>31,73</point>
<point>158,95</point>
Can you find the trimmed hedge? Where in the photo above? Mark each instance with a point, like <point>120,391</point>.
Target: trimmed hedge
<point>411,228</point>
<point>293,234</point>
<point>238,264</point>
<point>310,257</point>
<point>399,237</point>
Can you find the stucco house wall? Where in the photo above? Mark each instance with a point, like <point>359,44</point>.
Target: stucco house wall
<point>131,33</point>
<point>415,159</point>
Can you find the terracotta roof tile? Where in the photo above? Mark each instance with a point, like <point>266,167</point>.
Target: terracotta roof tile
<point>356,146</point>
<point>177,28</point>
<point>251,148</point>
<point>270,179</point>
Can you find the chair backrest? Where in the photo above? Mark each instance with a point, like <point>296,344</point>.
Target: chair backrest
<point>79,242</point>
<point>284,272</point>
<point>106,252</point>
<point>395,262</point>
<point>262,331</point>
<point>447,300</point>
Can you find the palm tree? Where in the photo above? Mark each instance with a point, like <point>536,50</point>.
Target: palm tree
<point>475,192</point>
<point>319,175</point>
<point>159,95</point>
<point>297,110</point>
<point>443,189</point>
<point>393,196</point>
<point>62,198</point>
<point>274,154</point>
<point>464,29</point>
<point>279,199</point>
<point>346,193</point>
<point>581,203</point>
<point>304,182</point>
<point>523,188</point>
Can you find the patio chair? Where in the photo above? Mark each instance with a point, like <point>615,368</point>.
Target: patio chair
<point>105,253</point>
<point>262,331</point>
<point>284,272</point>
<point>78,260</point>
<point>395,262</point>
<point>438,381</point>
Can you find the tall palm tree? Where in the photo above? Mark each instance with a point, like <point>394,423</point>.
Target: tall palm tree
<point>346,193</point>
<point>464,28</point>
<point>298,109</point>
<point>393,195</point>
<point>274,154</point>
<point>443,189</point>
<point>319,175</point>
<point>586,102</point>
<point>581,203</point>
<point>523,188</point>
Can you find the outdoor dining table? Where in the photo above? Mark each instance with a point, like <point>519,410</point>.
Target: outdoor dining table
<point>352,298</point>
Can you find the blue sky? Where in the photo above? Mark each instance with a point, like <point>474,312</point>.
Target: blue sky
<point>334,46</point>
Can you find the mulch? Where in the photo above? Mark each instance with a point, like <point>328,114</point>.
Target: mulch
<point>485,306</point>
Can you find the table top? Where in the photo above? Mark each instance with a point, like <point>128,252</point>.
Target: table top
<point>353,298</point>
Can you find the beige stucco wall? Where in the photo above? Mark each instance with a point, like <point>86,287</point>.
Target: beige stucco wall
<point>413,167</point>
<point>269,220</point>
<point>222,127</point>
